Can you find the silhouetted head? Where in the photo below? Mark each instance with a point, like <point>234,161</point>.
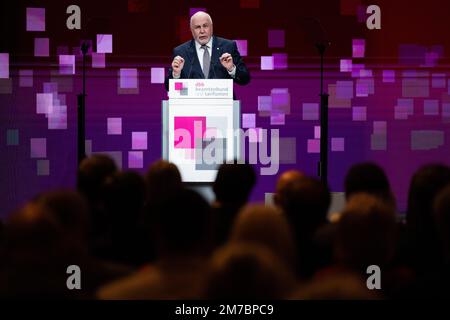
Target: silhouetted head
<point>37,253</point>
<point>124,197</point>
<point>34,229</point>
<point>246,271</point>
<point>284,184</point>
<point>425,185</point>
<point>369,178</point>
<point>92,173</point>
<point>182,224</point>
<point>366,232</point>
<point>442,219</point>
<point>266,226</point>
<point>70,210</point>
<point>162,179</point>
<point>234,183</point>
<point>306,201</point>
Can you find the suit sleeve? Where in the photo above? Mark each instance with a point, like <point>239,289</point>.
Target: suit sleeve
<point>242,74</point>
<point>169,72</point>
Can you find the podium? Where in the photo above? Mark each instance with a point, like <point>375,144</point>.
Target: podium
<point>200,127</point>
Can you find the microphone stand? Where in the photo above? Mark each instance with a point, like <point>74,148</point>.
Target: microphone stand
<point>81,150</point>
<point>323,163</point>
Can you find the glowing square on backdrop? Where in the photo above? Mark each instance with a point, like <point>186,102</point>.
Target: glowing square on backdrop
<point>415,84</point>
<point>313,146</point>
<point>38,147</point>
<point>277,119</point>
<point>35,19</point>
<point>41,47</point>
<point>388,76</point>
<point>114,126</point>
<point>50,87</point>
<point>431,107</point>
<point>104,43</point>
<point>57,119</point>
<point>98,60</point>
<point>336,102</point>
<point>362,88</point>
<point>139,140</point>
<point>66,64</point>
<point>267,63</point>
<point>404,108</point>
<point>12,137</point>
<point>288,150</point>
<point>6,86</point>
<point>281,100</point>
<point>280,61</point>
<point>359,48</point>
<point>446,111</point>
<point>310,111</point>
<point>265,104</point>
<point>431,59</point>
<point>135,159</point>
<point>25,78</point>
<point>379,127</point>
<point>44,103</point>
<point>356,69</point>
<point>359,113</point>
<point>337,144</point>
<point>4,65</point>
<point>426,139</point>
<point>346,65</point>
<point>316,132</point>
<point>344,89</point>
<point>248,120</point>
<point>128,78</point>
<point>43,167</point>
<point>438,80</point>
<point>157,75</point>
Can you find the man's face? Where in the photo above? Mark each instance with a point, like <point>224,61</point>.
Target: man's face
<point>202,29</point>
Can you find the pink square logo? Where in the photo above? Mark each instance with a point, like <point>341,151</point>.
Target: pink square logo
<point>178,85</point>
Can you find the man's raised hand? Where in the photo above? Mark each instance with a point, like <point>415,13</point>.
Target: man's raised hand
<point>177,66</point>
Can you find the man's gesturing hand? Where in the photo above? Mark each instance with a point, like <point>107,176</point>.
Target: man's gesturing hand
<point>227,61</point>
<point>177,66</point>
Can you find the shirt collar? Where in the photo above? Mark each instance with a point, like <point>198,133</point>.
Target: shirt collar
<point>209,44</point>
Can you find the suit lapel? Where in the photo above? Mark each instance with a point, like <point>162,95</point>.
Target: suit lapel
<point>215,54</point>
<point>196,71</point>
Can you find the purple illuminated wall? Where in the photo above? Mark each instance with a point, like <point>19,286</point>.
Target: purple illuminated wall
<point>389,89</point>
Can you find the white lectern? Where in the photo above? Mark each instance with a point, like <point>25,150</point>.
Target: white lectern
<point>200,127</point>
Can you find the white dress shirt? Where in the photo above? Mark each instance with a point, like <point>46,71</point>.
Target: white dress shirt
<point>200,53</point>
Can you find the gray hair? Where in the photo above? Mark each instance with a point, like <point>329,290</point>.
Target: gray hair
<point>198,13</point>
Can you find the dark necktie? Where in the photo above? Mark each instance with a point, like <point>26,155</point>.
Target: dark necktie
<point>206,60</point>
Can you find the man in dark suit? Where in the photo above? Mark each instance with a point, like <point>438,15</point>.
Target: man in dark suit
<point>207,56</point>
